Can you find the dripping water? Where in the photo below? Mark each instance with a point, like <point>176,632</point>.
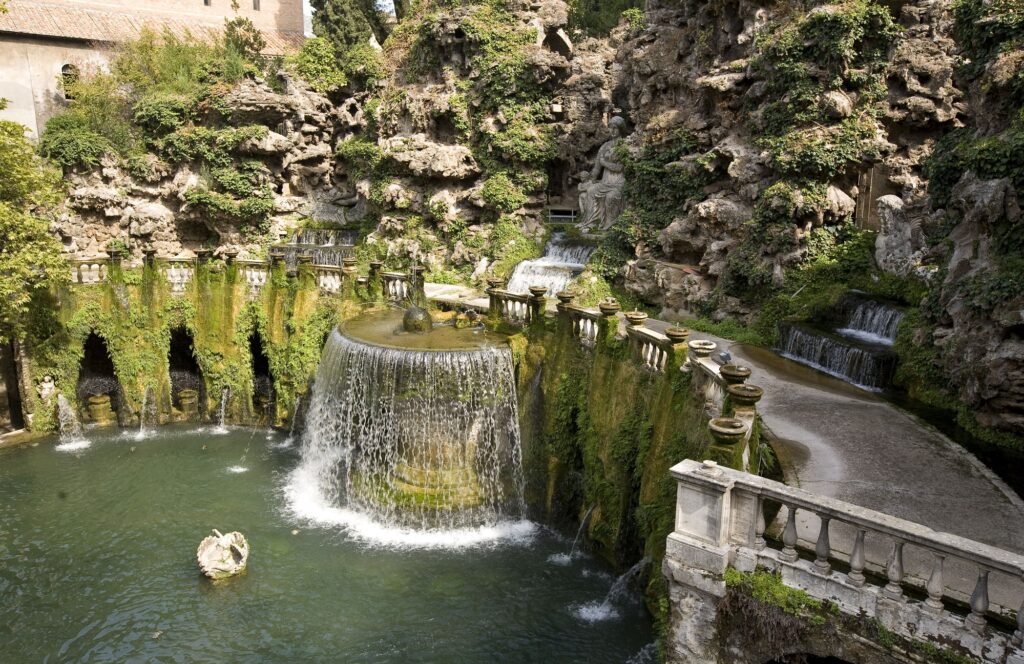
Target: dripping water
<point>617,595</point>
<point>566,558</point>
<point>71,438</point>
<point>225,394</point>
<point>290,440</point>
<point>561,263</point>
<point>142,433</point>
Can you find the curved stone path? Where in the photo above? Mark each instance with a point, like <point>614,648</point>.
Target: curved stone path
<point>837,440</point>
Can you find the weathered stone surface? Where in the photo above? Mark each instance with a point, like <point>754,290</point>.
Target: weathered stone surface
<point>426,158</point>
<point>222,556</point>
<point>898,244</point>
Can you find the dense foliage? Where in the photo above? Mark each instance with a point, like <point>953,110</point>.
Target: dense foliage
<point>30,260</point>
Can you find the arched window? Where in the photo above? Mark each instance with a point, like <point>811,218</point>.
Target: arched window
<point>68,77</point>
<point>256,4</point>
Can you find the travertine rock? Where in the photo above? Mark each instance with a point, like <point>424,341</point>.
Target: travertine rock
<point>222,556</point>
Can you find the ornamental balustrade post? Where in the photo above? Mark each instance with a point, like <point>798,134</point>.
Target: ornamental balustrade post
<point>537,303</point>
<point>979,603</point>
<point>704,515</point>
<point>608,326</point>
<point>935,584</point>
<point>742,401</point>
<point>417,291</point>
<point>306,273</point>
<point>894,571</point>
<point>789,553</point>
<point>823,548</point>
<point>374,287</point>
<point>857,560</point>
<point>565,319</point>
<point>678,336</point>
<point>726,434</point>
<point>349,272</point>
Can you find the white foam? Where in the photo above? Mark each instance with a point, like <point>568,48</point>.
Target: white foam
<point>867,337</point>
<point>560,559</point>
<point>593,612</point>
<point>218,430</point>
<point>73,445</point>
<point>237,469</point>
<point>304,500</point>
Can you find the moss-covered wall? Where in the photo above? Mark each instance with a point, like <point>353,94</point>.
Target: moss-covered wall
<point>601,431</point>
<point>135,312</point>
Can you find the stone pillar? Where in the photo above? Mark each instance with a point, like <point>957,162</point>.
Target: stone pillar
<point>349,272</point>
<point>741,403</point>
<point>494,304</point>
<point>374,287</point>
<point>678,336</point>
<point>727,435</point>
<point>608,327</point>
<point>307,275</point>
<point>696,557</point>
<point>417,295</point>
<point>537,303</point>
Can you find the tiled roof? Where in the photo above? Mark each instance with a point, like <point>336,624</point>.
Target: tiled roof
<point>44,20</point>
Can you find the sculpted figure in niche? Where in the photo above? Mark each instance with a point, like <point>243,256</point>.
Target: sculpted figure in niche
<point>604,194</point>
<point>586,217</point>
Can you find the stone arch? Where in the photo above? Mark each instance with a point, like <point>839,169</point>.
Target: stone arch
<point>264,396</point>
<point>188,389</point>
<point>98,390</point>
<point>69,75</point>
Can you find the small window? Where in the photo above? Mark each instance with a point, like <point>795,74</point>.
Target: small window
<point>68,77</point>
<point>207,3</point>
<point>256,4</point>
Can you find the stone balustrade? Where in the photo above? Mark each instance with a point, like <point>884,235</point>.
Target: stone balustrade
<point>651,349</point>
<point>513,308</point>
<point>397,286</point>
<point>720,522</point>
<point>179,272</point>
<point>584,323</point>
<point>329,278</point>
<point>86,271</point>
<point>255,273</point>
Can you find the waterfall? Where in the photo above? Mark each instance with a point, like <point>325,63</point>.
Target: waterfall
<point>225,394</point>
<point>561,263</point>
<point>71,438</point>
<point>141,433</point>
<point>871,321</point>
<point>866,366</point>
<point>619,592</point>
<point>412,446</point>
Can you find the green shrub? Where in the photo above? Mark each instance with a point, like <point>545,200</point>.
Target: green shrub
<point>510,246</point>
<point>317,63</point>
<point>362,155</point>
<point>598,17</point>
<point>160,113</point>
<point>634,17</point>
<point>502,195</point>
<point>69,141</point>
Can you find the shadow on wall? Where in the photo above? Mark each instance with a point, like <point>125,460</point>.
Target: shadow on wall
<point>99,393</point>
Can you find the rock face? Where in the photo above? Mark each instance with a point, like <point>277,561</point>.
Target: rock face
<point>222,556</point>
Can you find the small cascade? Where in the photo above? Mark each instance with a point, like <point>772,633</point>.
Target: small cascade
<point>412,446</point>
<point>561,263</point>
<point>225,394</point>
<point>142,433</point>
<point>617,595</point>
<point>326,246</point>
<point>71,438</point>
<point>862,364</point>
<point>290,440</point>
<point>871,321</point>
<point>566,558</point>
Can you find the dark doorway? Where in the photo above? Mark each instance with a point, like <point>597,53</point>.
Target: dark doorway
<point>263,396</point>
<point>99,393</point>
<point>188,392</point>
<point>10,393</point>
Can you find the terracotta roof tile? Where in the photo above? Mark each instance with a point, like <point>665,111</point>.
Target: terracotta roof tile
<point>43,20</point>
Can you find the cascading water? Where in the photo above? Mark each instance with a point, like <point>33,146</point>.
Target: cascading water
<point>561,263</point>
<point>225,394</point>
<point>858,349</point>
<point>141,433</point>
<point>871,321</point>
<point>566,558</point>
<point>70,428</point>
<point>413,446</point>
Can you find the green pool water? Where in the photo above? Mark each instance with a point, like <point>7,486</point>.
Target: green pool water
<point>97,564</point>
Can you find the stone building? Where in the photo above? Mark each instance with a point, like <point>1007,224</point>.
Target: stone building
<point>44,41</point>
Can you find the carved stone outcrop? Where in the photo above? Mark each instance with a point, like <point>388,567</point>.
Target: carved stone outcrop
<point>222,556</point>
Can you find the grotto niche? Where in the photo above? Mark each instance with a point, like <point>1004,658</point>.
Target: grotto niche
<point>99,393</point>
<point>188,391</point>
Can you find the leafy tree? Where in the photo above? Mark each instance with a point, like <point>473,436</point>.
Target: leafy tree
<point>351,22</point>
<point>30,260</point>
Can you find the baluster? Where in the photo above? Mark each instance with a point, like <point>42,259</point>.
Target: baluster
<point>759,525</point>
<point>894,571</point>
<point>857,560</point>
<point>789,536</point>
<point>823,548</point>
<point>979,603</point>
<point>935,584</point>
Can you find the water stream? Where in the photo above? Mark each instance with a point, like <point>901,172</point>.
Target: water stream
<point>142,432</point>
<point>566,558</point>
<point>71,438</point>
<point>618,595</point>
<point>557,268</point>
<point>225,394</point>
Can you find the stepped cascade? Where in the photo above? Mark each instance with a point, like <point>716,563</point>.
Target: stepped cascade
<point>415,438</point>
<point>561,263</point>
<point>326,246</point>
<point>858,349</point>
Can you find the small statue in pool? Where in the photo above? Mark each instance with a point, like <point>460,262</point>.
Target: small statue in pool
<point>417,320</point>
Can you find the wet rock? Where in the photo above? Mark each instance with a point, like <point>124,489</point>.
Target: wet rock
<point>222,556</point>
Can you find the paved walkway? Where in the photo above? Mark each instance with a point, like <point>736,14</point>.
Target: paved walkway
<point>837,440</point>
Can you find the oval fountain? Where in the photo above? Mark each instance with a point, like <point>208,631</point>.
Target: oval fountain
<point>413,437</point>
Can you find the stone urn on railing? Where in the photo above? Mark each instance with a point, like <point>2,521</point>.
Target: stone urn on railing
<point>609,307</point>
<point>734,374</point>
<point>566,297</point>
<point>636,318</point>
<point>744,397</point>
<point>726,434</point>
<point>701,348</point>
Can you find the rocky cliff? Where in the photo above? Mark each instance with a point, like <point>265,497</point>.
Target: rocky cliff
<point>776,156</point>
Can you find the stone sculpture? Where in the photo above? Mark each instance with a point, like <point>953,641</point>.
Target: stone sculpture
<point>603,195</point>
<point>222,556</point>
<point>898,245</point>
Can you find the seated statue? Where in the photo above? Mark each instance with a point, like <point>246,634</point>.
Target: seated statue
<point>601,200</point>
